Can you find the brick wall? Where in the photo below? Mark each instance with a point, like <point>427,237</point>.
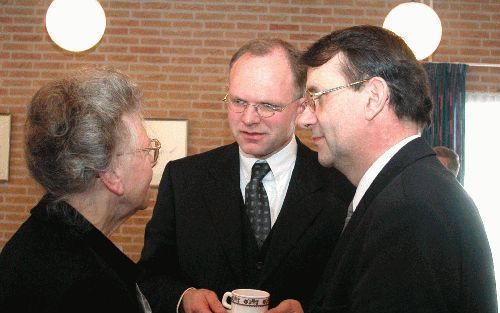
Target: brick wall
<point>178,52</point>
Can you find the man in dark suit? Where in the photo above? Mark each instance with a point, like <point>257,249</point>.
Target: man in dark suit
<point>415,241</point>
<point>204,237</point>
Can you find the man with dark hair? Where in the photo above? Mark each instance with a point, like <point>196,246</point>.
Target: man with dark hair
<point>413,240</point>
<point>448,158</point>
<point>218,225</point>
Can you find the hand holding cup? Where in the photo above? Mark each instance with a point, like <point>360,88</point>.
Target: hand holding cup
<point>246,301</point>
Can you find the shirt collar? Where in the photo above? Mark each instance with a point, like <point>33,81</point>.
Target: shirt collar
<point>376,168</point>
<point>279,162</point>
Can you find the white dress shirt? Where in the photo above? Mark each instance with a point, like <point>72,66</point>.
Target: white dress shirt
<point>277,180</point>
<point>375,169</point>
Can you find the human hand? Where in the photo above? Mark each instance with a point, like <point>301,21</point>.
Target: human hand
<point>287,306</point>
<point>201,301</point>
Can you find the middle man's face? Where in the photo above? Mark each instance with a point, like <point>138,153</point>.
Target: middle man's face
<point>263,79</point>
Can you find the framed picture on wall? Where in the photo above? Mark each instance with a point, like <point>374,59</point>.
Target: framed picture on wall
<point>172,135</point>
<point>4,146</point>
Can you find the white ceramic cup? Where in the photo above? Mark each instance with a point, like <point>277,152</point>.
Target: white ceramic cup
<point>246,301</point>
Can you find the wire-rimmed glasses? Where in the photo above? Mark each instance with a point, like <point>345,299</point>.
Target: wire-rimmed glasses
<point>155,146</point>
<point>312,98</point>
<point>264,110</point>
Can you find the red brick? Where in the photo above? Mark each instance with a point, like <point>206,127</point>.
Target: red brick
<point>146,15</point>
<point>209,16</point>
<point>175,33</point>
<point>252,26</point>
<point>17,29</point>
<point>156,23</point>
<point>154,59</point>
<point>110,14</point>
<point>284,10</point>
<point>121,58</point>
<point>171,49</point>
<point>144,32</point>
<point>252,8</point>
<point>126,5</point>
<point>188,7</point>
<point>186,60</point>
<point>144,49</point>
<point>156,5</point>
<point>287,27</point>
<point>18,11</point>
<point>178,15</point>
<point>221,8</point>
<point>220,25</point>
<point>123,22</point>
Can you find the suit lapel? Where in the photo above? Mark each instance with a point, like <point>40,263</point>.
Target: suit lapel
<point>409,154</point>
<point>223,199</point>
<point>296,215</point>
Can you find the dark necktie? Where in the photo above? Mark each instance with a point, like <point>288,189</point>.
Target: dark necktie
<point>256,203</point>
<point>350,210</point>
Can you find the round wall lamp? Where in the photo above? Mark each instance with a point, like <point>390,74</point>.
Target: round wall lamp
<point>418,25</point>
<point>75,25</point>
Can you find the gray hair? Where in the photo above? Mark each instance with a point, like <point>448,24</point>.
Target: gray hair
<point>74,126</point>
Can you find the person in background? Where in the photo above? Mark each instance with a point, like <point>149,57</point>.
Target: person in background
<point>415,241</point>
<point>448,158</point>
<point>86,146</point>
<point>209,232</point>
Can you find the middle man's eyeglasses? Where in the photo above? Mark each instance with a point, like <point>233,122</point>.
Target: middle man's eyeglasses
<point>263,109</point>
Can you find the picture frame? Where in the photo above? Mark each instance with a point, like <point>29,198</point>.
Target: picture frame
<point>173,136</point>
<point>5,124</point>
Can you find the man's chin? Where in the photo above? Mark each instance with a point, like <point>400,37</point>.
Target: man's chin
<point>144,204</point>
<point>325,161</point>
<point>252,149</point>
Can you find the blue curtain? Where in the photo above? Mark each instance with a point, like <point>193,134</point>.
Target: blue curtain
<point>448,120</point>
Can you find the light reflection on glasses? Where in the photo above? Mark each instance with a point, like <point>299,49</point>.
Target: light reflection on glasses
<point>264,110</point>
<point>155,146</point>
<point>312,98</point>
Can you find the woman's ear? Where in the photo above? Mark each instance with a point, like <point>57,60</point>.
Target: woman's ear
<point>378,97</point>
<point>112,181</point>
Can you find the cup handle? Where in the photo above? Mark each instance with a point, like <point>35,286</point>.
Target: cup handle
<point>224,300</point>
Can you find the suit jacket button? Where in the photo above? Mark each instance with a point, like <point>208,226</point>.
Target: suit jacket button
<point>259,265</point>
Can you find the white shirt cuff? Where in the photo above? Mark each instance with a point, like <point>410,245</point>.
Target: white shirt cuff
<point>180,299</point>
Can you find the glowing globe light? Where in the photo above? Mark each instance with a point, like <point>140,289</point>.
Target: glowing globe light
<point>75,25</point>
<point>418,25</point>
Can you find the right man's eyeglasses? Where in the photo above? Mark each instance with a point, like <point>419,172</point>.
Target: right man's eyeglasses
<point>312,98</point>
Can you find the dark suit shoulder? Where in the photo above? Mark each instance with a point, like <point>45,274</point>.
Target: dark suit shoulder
<point>207,156</point>
<point>428,185</point>
<point>198,164</point>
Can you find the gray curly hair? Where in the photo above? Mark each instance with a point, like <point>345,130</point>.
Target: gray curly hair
<point>74,126</point>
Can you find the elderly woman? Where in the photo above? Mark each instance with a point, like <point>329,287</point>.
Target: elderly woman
<point>87,147</point>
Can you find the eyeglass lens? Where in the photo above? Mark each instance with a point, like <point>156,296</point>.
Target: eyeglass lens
<point>240,107</point>
<point>261,110</point>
